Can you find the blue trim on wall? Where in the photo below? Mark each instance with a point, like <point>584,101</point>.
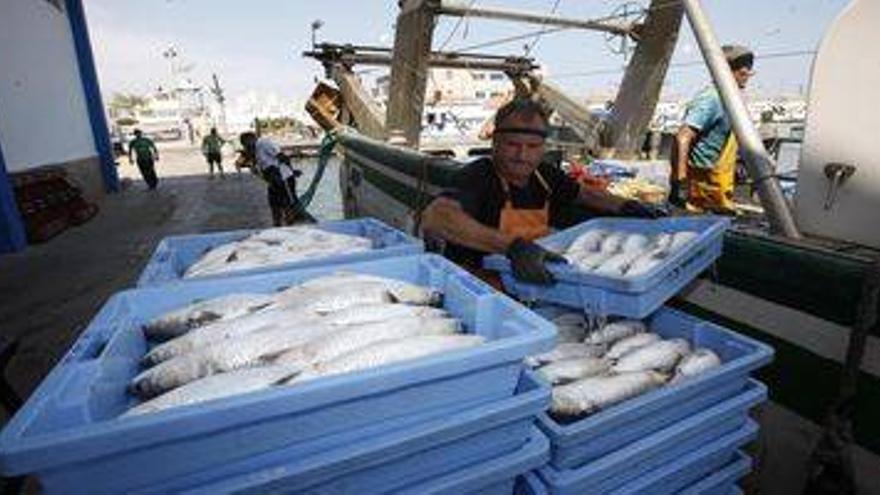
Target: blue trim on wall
<point>92,90</point>
<point>12,236</point>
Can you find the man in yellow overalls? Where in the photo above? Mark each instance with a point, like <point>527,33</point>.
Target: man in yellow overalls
<point>704,155</point>
<point>503,203</point>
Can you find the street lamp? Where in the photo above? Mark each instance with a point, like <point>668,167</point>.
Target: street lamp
<point>316,25</point>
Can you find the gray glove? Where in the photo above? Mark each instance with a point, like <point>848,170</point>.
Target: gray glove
<point>528,261</point>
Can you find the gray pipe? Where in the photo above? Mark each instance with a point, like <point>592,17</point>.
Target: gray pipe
<point>464,9</point>
<point>759,164</point>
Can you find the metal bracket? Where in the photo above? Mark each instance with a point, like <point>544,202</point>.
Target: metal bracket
<point>837,174</point>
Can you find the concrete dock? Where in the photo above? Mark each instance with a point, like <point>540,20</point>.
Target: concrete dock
<point>51,291</point>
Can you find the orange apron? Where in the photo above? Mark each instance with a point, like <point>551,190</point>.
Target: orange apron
<point>528,224</point>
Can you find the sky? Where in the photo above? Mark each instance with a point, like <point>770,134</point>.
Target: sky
<point>255,46</point>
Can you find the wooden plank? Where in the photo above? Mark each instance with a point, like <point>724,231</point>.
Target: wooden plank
<point>412,44</point>
<point>640,89</point>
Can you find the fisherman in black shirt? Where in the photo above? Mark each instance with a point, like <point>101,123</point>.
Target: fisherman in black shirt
<point>502,204</point>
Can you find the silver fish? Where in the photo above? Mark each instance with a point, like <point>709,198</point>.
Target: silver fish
<point>618,264</point>
<point>660,356</point>
<point>388,352</point>
<point>180,321</point>
<point>566,351</point>
<point>613,242</point>
<point>356,337</point>
<point>570,328</point>
<point>612,332</point>
<point>370,313</point>
<point>225,329</point>
<point>276,246</point>
<point>662,241</point>
<point>326,293</point>
<point>216,387</point>
<point>695,363</point>
<point>631,343</point>
<point>569,370</point>
<point>593,394</point>
<point>645,263</point>
<point>635,243</point>
<point>591,260</point>
<point>254,349</point>
<point>588,241</point>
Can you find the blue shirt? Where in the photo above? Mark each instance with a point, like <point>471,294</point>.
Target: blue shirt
<point>706,114</point>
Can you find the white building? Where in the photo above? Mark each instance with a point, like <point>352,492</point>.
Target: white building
<point>453,86</point>
<point>51,112</point>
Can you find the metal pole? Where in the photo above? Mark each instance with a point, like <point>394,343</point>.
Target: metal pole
<point>758,162</point>
<point>461,9</point>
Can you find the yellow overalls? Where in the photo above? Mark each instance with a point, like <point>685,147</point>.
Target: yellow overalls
<point>711,190</point>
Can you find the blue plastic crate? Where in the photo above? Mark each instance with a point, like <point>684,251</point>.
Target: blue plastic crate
<point>616,469</point>
<point>577,443</point>
<point>176,254</point>
<point>495,477</point>
<point>676,477</point>
<point>713,467</point>
<point>530,484</point>
<point>69,435</point>
<point>388,462</point>
<point>634,297</point>
<point>723,481</point>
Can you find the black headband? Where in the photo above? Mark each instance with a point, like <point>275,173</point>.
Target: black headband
<point>521,130</point>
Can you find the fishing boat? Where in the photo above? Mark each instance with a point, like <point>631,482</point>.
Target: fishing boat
<point>801,275</point>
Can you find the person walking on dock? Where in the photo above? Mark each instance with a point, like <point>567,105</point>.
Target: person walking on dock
<point>146,155</point>
<point>274,167</point>
<point>704,155</point>
<point>212,146</point>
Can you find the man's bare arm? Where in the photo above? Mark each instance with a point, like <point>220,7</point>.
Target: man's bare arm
<point>684,139</point>
<point>445,218</point>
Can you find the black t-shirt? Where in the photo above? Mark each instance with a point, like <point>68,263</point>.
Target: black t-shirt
<point>480,193</point>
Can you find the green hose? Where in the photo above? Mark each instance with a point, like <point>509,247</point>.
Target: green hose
<point>326,151</point>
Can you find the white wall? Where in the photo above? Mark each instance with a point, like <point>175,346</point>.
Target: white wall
<point>43,116</point>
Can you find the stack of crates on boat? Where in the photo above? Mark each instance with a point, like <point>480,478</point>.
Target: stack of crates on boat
<point>456,422</point>
<point>681,437</point>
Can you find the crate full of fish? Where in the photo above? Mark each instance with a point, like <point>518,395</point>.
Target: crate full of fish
<point>390,462</point>
<point>617,382</point>
<point>201,374</point>
<point>622,267</point>
<point>223,254</point>
<point>627,465</point>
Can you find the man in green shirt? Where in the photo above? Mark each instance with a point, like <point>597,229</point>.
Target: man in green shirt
<point>147,155</point>
<point>211,148</point>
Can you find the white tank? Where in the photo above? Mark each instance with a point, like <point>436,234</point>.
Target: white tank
<point>843,133</point>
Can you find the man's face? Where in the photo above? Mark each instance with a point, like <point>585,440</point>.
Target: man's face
<point>742,76</point>
<point>518,154</point>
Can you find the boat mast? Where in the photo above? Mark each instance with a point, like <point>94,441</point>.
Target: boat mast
<point>640,90</point>
<point>409,68</point>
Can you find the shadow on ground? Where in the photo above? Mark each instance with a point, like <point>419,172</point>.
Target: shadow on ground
<point>51,291</point>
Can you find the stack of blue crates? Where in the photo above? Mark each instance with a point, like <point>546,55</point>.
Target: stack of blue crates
<point>458,422</point>
<point>686,437</point>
